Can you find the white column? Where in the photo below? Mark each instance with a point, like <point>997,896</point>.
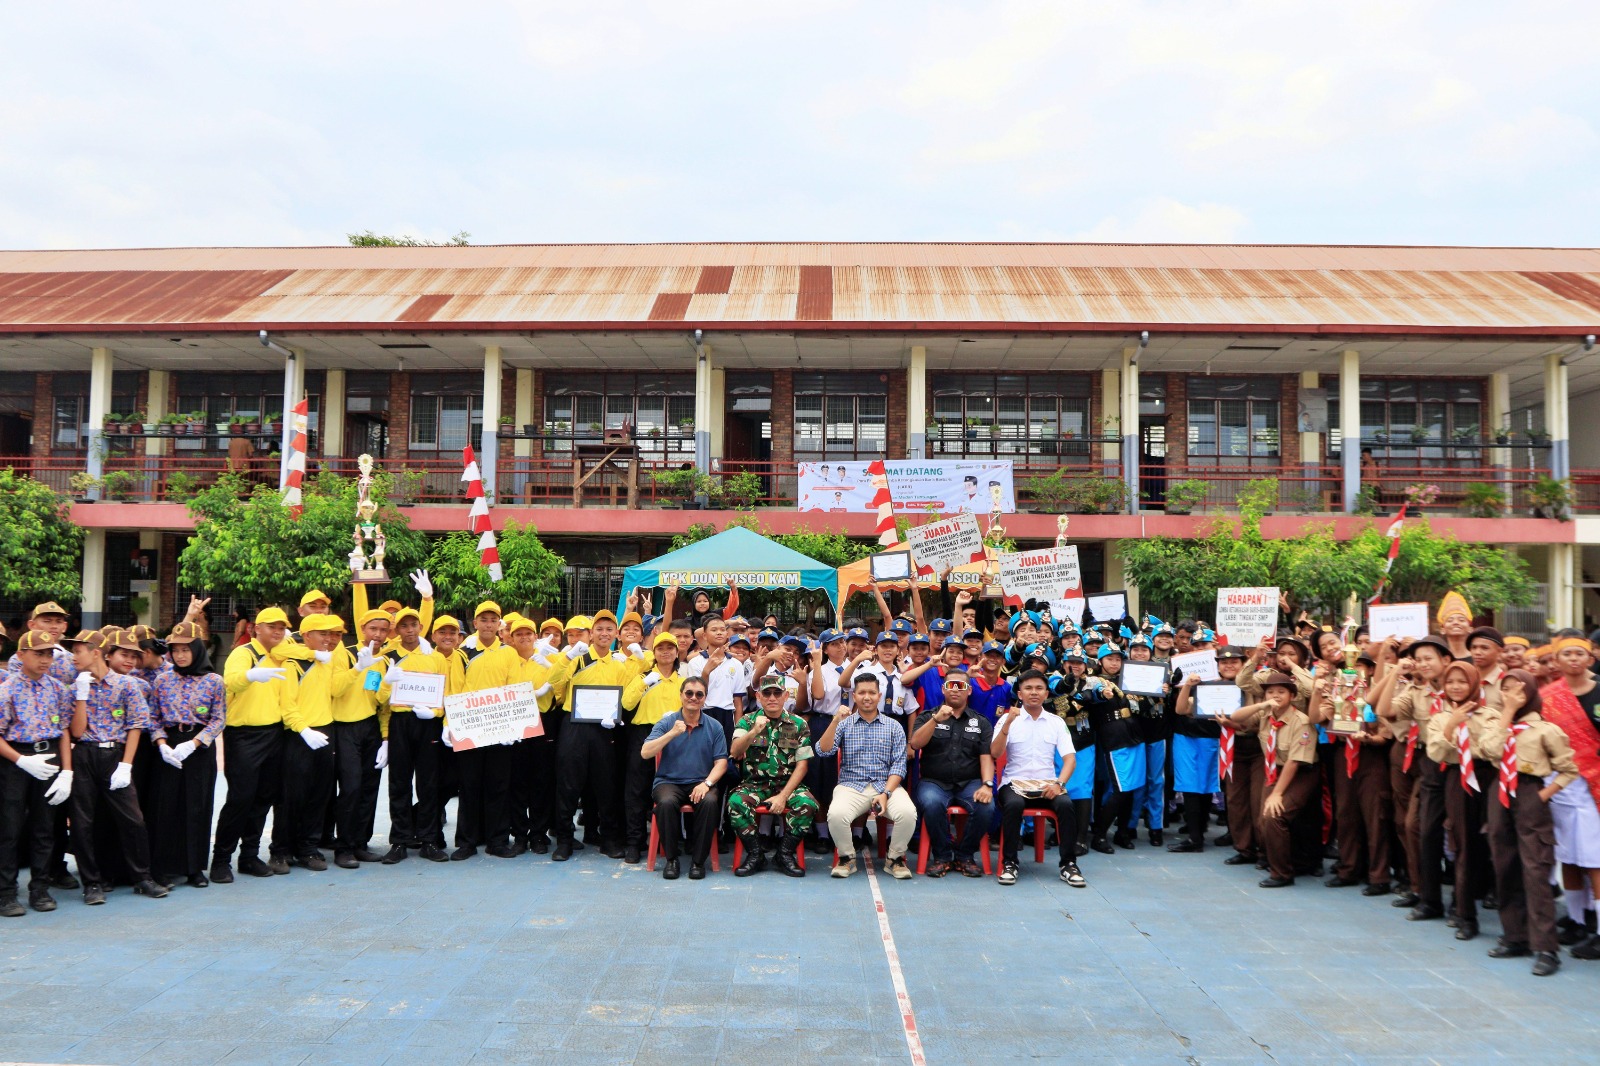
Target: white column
<point>702,408</point>
<point>523,415</point>
<point>1310,443</point>
<point>1499,415</point>
<point>1110,407</point>
<point>1562,589</point>
<point>158,384</point>
<point>1555,416</point>
<point>489,443</point>
<point>1130,426</point>
<point>94,577</point>
<point>1350,426</point>
<point>100,366</point>
<point>294,387</point>
<point>719,408</point>
<point>331,427</point>
<point>1116,577</point>
<point>917,403</point>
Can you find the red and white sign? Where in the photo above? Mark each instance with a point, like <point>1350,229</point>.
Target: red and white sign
<point>488,716</point>
<point>949,542</point>
<point>1246,617</point>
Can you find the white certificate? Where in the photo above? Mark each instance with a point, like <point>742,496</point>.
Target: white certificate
<point>596,703</point>
<point>890,566</point>
<point>1108,606</point>
<point>1386,620</point>
<point>417,690</point>
<point>1214,699</point>
<point>1143,679</point>
<point>1200,665</point>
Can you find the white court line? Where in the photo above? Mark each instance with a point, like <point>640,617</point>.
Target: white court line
<point>908,1017</point>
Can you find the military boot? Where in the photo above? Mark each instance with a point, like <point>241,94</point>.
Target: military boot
<point>755,860</point>
<point>786,857</point>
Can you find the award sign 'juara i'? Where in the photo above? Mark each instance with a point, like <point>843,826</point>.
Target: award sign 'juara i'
<point>365,569</point>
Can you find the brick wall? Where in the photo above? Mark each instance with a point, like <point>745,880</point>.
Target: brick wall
<point>1177,426</point>
<point>399,415</point>
<point>783,416</point>
<point>44,414</point>
<point>167,581</point>
<point>1289,420</point>
<point>508,406</point>
<point>896,420</point>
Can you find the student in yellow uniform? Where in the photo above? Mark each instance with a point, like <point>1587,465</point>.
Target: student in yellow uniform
<point>650,696</point>
<point>419,580</point>
<point>447,638</point>
<point>574,631</point>
<point>483,816</point>
<point>308,756</point>
<point>486,630</point>
<point>360,746</point>
<point>585,755</point>
<point>261,681</point>
<point>413,745</point>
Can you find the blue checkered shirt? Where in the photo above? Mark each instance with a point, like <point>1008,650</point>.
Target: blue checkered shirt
<point>873,751</point>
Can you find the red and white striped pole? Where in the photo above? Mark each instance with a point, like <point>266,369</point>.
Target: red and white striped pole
<point>478,517</point>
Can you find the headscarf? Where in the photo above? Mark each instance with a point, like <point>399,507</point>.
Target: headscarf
<point>1530,685</point>
<point>1474,679</point>
<point>200,666</point>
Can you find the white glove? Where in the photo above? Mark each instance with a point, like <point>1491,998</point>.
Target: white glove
<point>122,776</point>
<point>264,673</point>
<point>540,657</point>
<point>618,656</point>
<point>80,686</point>
<point>393,673</point>
<point>314,740</point>
<point>635,650</point>
<point>364,658</point>
<point>545,645</point>
<point>541,690</point>
<point>423,646</point>
<point>422,583</point>
<point>651,679</point>
<point>609,723</point>
<point>383,756</point>
<point>424,713</point>
<point>575,650</point>
<point>170,757</point>
<point>184,750</point>
<point>59,789</point>
<point>39,767</point>
<point>447,738</point>
<point>322,656</point>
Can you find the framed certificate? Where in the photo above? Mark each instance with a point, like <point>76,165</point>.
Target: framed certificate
<point>1108,606</point>
<point>596,703</point>
<point>1143,679</point>
<point>890,566</point>
<point>1216,699</point>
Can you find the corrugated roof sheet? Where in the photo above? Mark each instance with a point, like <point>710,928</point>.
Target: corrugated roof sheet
<point>904,286</point>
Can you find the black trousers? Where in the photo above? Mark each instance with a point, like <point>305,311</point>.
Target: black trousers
<point>181,806</point>
<point>1466,815</point>
<point>1523,842</point>
<point>585,761</point>
<point>26,818</point>
<point>307,784</point>
<point>253,766</point>
<point>482,816</point>
<point>1429,801</point>
<point>522,790</point>
<point>1196,816</point>
<point>822,775</point>
<point>638,776</point>
<point>92,767</point>
<point>542,775</point>
<point>1115,805</point>
<point>357,780</point>
<point>670,800</point>
<point>414,748</point>
<point>1011,807</point>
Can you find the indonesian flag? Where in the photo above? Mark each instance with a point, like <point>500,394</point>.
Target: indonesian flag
<point>294,474</point>
<point>1395,529</point>
<point>882,501</point>
<point>478,516</point>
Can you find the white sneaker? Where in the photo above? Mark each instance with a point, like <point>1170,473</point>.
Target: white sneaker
<point>845,866</point>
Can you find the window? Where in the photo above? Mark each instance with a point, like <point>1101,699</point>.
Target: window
<point>70,428</point>
<point>446,411</point>
<point>253,397</point>
<point>840,416</point>
<point>1036,419</point>
<point>1234,420</point>
<point>657,408</point>
<point>1430,423</point>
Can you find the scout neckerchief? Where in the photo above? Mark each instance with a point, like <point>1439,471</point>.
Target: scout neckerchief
<point>1274,724</point>
<point>1225,753</point>
<point>1508,767</point>
<point>1411,736</point>
<point>1352,756</point>
<point>1469,780</point>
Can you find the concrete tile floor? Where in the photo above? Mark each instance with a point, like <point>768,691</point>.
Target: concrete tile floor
<point>1170,959</point>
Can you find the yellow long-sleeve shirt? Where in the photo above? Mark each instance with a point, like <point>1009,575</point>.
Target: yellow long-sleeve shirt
<point>358,607</point>
<point>455,672</point>
<point>322,686</point>
<point>593,668</point>
<point>352,701</point>
<point>260,702</point>
<point>649,706</point>
<point>503,666</point>
<point>415,662</point>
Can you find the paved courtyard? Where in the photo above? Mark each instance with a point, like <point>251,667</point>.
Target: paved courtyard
<point>1163,959</point>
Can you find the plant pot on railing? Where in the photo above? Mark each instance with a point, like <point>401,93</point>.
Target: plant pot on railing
<point>1184,496</point>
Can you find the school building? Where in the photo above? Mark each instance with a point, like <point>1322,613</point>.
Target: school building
<point>581,372</point>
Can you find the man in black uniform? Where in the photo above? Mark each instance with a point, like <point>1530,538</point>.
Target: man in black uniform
<point>956,771</point>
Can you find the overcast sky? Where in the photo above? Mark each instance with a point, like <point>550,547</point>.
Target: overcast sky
<point>1414,122</point>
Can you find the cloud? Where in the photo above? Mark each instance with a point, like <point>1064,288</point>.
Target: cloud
<point>1165,221</point>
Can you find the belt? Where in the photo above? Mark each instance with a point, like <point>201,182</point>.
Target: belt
<point>100,743</point>
<point>36,746</point>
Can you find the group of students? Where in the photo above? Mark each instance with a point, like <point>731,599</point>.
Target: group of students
<point>1477,760</point>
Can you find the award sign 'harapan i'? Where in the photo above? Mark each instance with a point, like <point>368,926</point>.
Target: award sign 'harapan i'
<point>365,569</point>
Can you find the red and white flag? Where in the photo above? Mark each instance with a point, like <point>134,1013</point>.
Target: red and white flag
<point>883,502</point>
<point>1395,529</point>
<point>294,474</point>
<point>478,517</point>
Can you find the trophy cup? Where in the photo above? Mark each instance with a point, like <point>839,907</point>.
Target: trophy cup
<point>365,569</point>
<point>1348,688</point>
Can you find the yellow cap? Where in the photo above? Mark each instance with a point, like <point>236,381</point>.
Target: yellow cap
<point>486,607</point>
<point>664,638</point>
<point>444,621</point>
<point>551,623</point>
<point>523,623</point>
<point>322,623</point>
<point>389,606</point>
<point>511,617</point>
<point>578,621</point>
<point>603,616</point>
<point>631,616</point>
<point>269,615</point>
<point>1453,603</point>
<point>372,616</point>
<point>406,612</point>
<point>313,596</point>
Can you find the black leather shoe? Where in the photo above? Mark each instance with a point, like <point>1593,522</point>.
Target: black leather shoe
<point>502,851</point>
<point>816,845</point>
<point>93,895</point>
<point>463,853</point>
<point>1185,846</point>
<point>574,845</point>
<point>1124,841</point>
<point>1224,841</point>
<point>1157,838</point>
<point>1102,845</point>
<point>1546,963</point>
<point>1589,949</point>
<point>394,855</point>
<point>1275,882</point>
<point>42,901</point>
<point>345,860</point>
<point>1339,882</point>
<point>1238,858</point>
<point>1406,899</point>
<point>433,853</point>
<point>221,874</point>
<point>64,881</point>
<point>612,851</point>
<point>1377,888</point>
<point>1080,849</point>
<point>1504,950</point>
<point>153,889</point>
<point>1490,903</point>
<point>254,867</point>
<point>697,872</point>
<point>669,872</point>
<point>10,908</point>
<point>314,862</point>
<point>518,847</point>
<point>198,881</point>
<point>1569,932</point>
<point>278,864</point>
<point>631,856</point>
<point>1425,912</point>
<point>563,851</point>
<point>366,855</point>
<point>1466,930</point>
<point>539,845</point>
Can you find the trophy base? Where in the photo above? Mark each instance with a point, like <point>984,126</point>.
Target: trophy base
<point>1344,727</point>
<point>369,577</point>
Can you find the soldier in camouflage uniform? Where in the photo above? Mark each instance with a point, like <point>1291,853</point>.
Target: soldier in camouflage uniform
<point>772,747</point>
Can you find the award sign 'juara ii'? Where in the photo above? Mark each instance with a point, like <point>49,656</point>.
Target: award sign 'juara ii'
<point>366,569</point>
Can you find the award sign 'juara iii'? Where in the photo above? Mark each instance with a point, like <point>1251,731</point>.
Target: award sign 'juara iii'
<point>366,569</point>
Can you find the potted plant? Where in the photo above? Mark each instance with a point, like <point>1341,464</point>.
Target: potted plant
<point>1483,500</point>
<point>148,428</point>
<point>1539,436</point>
<point>741,490</point>
<point>410,483</point>
<point>168,426</point>
<point>111,424</point>
<point>505,426</point>
<point>1463,434</point>
<point>1049,492</point>
<point>1111,426</point>
<point>224,427</point>
<point>1304,500</point>
<point>252,424</point>
<point>1419,433</point>
<point>1504,434</point>
<point>677,488</point>
<point>654,432</point>
<point>82,483</point>
<point>181,487</point>
<point>1551,498</point>
<point>1184,496</point>
<point>1098,495</point>
<point>1259,496</point>
<point>195,423</point>
<point>1367,500</point>
<point>274,423</point>
<point>1421,495</point>
<point>118,484</point>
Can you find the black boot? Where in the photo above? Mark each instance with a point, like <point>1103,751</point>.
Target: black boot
<point>754,859</point>
<point>786,860</point>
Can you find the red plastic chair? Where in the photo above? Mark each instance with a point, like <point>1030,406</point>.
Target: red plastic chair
<point>882,845</point>
<point>738,844</point>
<point>958,819</point>
<point>1039,815</point>
<point>654,848</point>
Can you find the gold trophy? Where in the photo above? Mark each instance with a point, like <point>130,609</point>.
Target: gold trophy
<point>1348,688</point>
<point>365,569</point>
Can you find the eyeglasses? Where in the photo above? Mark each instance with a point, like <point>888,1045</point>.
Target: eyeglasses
<point>694,695</point>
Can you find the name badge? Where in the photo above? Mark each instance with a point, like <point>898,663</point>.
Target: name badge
<point>372,683</point>
<point>117,713</point>
<point>201,712</point>
<point>55,719</point>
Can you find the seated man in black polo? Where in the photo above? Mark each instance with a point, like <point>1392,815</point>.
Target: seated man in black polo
<point>956,770</point>
<point>694,757</point>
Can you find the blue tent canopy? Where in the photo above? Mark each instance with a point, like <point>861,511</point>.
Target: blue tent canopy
<point>747,559</point>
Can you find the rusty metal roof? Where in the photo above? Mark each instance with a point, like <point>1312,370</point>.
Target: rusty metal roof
<point>908,287</point>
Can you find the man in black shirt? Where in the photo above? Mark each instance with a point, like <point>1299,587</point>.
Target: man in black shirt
<point>957,770</point>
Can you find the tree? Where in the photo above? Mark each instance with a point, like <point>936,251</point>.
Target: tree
<point>246,544</point>
<point>531,572</point>
<point>369,239</point>
<point>41,551</point>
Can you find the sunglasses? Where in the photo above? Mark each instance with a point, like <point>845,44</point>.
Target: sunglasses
<point>694,695</point>
<point>956,684</point>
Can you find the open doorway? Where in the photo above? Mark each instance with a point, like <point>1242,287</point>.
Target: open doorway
<point>16,434</point>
